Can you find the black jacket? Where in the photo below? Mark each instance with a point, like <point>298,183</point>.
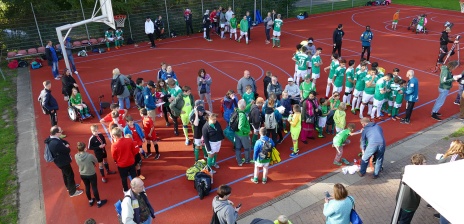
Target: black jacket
<point>444,39</point>
<point>211,134</point>
<point>188,18</point>
<point>47,100</point>
<point>94,143</point>
<point>266,82</point>
<point>68,84</point>
<point>59,151</point>
<point>338,35</point>
<point>255,117</point>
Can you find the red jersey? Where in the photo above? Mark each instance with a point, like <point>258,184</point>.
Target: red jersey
<point>212,16</point>
<point>135,135</point>
<point>121,120</point>
<point>124,151</point>
<point>148,124</point>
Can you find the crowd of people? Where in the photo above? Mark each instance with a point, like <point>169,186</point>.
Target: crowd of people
<point>252,122</point>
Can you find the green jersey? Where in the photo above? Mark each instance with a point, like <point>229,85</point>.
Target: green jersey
<point>394,90</point>
<point>316,59</point>
<point>302,61</point>
<point>244,25</point>
<point>341,137</point>
<point>380,85</point>
<point>359,78</point>
<point>108,34</point>
<point>175,91</point>
<point>324,110</point>
<point>278,24</point>
<point>333,66</point>
<point>369,90</point>
<point>188,107</point>
<point>339,77</point>
<point>306,88</point>
<point>233,23</point>
<point>357,68</point>
<point>118,33</point>
<point>349,75</point>
<point>334,103</point>
<point>248,97</point>
<point>399,96</point>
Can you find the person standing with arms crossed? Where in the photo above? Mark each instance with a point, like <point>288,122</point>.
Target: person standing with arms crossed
<point>337,40</point>
<point>149,30</point>
<point>366,39</point>
<point>411,95</point>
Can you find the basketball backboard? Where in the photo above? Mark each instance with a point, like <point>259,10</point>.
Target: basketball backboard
<point>107,11</point>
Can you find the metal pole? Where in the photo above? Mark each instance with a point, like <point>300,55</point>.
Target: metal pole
<point>352,3</point>
<point>311,7</point>
<point>287,9</point>
<point>167,17</point>
<point>398,204</point>
<point>128,20</point>
<point>332,6</point>
<point>202,7</point>
<point>83,16</point>
<point>233,5</point>
<point>261,12</point>
<point>37,25</point>
<point>254,13</point>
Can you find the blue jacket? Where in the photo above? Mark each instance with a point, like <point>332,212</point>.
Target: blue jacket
<point>288,106</point>
<point>249,21</point>
<point>166,75</point>
<point>366,37</point>
<point>259,145</point>
<point>137,129</point>
<point>47,100</point>
<point>229,106</point>
<point>371,136</point>
<point>149,100</point>
<point>412,90</point>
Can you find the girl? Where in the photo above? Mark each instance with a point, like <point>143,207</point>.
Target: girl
<point>295,128</point>
<point>134,130</point>
<point>340,117</point>
<point>324,104</point>
<point>212,136</point>
<point>229,104</point>
<point>454,153</point>
<point>76,101</point>
<point>204,87</point>
<point>272,126</point>
<point>310,109</point>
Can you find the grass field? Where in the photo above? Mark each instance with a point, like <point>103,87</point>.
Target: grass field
<point>439,4</point>
<point>8,179</point>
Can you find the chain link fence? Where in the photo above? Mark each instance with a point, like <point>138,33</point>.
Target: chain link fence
<point>39,27</point>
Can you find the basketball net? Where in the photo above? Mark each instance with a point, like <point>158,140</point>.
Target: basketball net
<point>120,19</point>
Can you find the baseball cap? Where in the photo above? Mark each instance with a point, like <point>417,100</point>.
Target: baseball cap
<point>310,41</point>
<point>151,83</point>
<point>200,109</point>
<point>290,79</point>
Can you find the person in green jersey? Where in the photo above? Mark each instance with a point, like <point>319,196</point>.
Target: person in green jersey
<point>340,140</point>
<point>321,120</point>
<point>368,94</point>
<point>173,91</point>
<point>333,66</point>
<point>249,98</point>
<point>420,23</point>
<point>109,37</point>
<point>394,86</point>
<point>181,107</point>
<point>306,87</point>
<point>302,61</point>
<point>398,96</point>
<point>119,41</point>
<point>349,83</point>
<point>359,66</point>
<point>359,87</point>
<point>243,29</point>
<point>338,77</point>
<point>379,95</point>
<point>276,33</point>
<point>316,63</point>
<point>233,27</point>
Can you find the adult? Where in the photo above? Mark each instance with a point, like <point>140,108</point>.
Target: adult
<point>309,109</point>
<point>124,96</point>
<point>256,118</point>
<point>274,15</point>
<point>68,83</point>
<point>372,143</point>
<point>229,104</point>
<point>293,91</point>
<point>444,40</point>
<point>275,87</point>
<point>307,87</point>
<point>68,47</point>
<point>149,30</point>
<point>124,151</point>
<point>204,81</point>
<point>206,26</point>
<point>446,83</point>
<point>159,27</point>
<point>337,39</point>
<point>181,107</point>
<point>212,137</point>
<point>228,16</point>
<point>460,81</point>
<point>135,207</point>
<point>169,74</point>
<point>242,135</point>
<point>149,99</point>
<point>86,163</point>
<point>366,39</point>
<point>338,209</point>
<point>173,91</point>
<point>267,79</point>
<point>162,71</point>
<point>244,81</point>
<point>225,209</point>
<point>188,21</point>
<point>60,151</point>
<point>268,23</point>
<point>52,59</point>
<point>222,22</point>
<point>411,95</point>
<point>48,102</point>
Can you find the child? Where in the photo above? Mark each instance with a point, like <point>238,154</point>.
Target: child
<point>333,66</point>
<point>324,103</point>
<point>243,29</point>
<point>286,103</point>
<point>259,162</point>
<point>121,113</point>
<point>334,102</point>
<point>198,119</point>
<point>295,128</point>
<point>97,143</point>
<point>282,219</point>
<point>340,118</point>
<point>394,85</point>
<point>338,77</point>
<point>159,96</point>
<point>115,118</point>
<point>136,132</point>
<point>119,41</point>
<point>396,17</point>
<point>316,63</point>
<point>233,27</point>
<point>396,72</point>
<point>76,101</point>
<point>276,33</point>
<point>349,83</point>
<point>248,96</point>
<point>339,141</point>
<point>149,132</point>
<point>398,98</point>
<point>359,87</point>
<point>302,61</point>
<point>109,37</point>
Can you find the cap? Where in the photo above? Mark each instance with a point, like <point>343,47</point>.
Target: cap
<point>310,41</point>
<point>201,109</point>
<point>307,76</point>
<point>290,79</point>
<point>199,103</point>
<point>151,83</point>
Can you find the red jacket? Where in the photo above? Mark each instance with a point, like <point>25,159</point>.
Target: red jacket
<point>212,15</point>
<point>124,151</point>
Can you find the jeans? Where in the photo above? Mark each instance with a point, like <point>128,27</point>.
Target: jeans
<point>208,100</point>
<point>88,182</point>
<point>379,150</point>
<point>121,103</point>
<point>458,97</point>
<point>124,172</point>
<point>268,37</point>
<point>55,69</point>
<point>443,220</point>
<point>443,93</point>
<point>242,141</point>
<point>71,62</point>
<point>148,221</point>
<point>68,178</point>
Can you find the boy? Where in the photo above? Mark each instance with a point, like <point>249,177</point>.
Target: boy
<point>121,116</point>
<point>368,93</point>
<point>198,119</point>
<point>396,72</point>
<point>379,95</point>
<point>394,85</point>
<point>316,63</point>
<point>396,17</point>
<point>321,121</point>
<point>359,87</point>
<point>276,33</point>
<point>264,141</point>
<point>109,37</point>
<point>340,140</point>
<point>181,107</point>
<point>248,96</point>
<point>302,61</point>
<point>233,27</point>
<point>243,29</point>
<point>306,87</point>
<point>398,96</point>
<point>119,41</point>
<point>333,66</point>
<point>349,83</point>
<point>133,129</point>
<point>338,77</point>
<point>149,132</point>
<point>97,143</point>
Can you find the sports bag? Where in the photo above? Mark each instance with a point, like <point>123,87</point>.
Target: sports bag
<point>354,217</point>
<point>116,87</point>
<point>266,150</point>
<point>47,154</point>
<point>202,183</point>
<point>138,98</point>
<point>36,65</point>
<point>233,123</point>
<point>197,167</point>
<point>270,121</point>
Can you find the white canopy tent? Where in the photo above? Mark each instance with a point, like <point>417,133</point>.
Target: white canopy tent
<point>439,185</point>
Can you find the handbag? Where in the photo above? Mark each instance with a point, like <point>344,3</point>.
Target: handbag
<point>203,89</point>
<point>354,217</point>
<point>310,119</point>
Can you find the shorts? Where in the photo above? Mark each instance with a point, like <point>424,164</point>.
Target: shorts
<point>337,89</point>
<point>321,121</point>
<point>329,81</point>
<point>419,27</point>
<point>296,67</point>
<point>152,138</point>
<point>357,93</point>
<point>337,129</point>
<point>395,22</point>
<point>185,119</point>
<point>276,33</point>
<point>397,105</point>
<point>301,73</point>
<point>367,97</point>
<point>215,147</point>
<point>348,89</point>
<point>120,38</point>
<point>258,164</point>
<point>316,75</point>
<point>227,23</point>
<point>223,25</point>
<point>110,38</point>
<point>197,142</point>
<point>378,103</point>
<point>233,30</point>
<point>243,33</point>
<point>242,142</point>
<point>100,155</point>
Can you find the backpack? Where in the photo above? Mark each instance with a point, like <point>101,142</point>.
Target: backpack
<point>118,208</point>
<point>215,218</point>
<point>197,167</point>
<point>23,64</point>
<point>202,183</point>
<point>233,123</point>
<point>270,121</point>
<point>82,53</point>
<point>44,110</point>
<point>48,155</point>
<point>251,112</point>
<point>266,150</point>
<point>116,87</point>
<point>130,41</point>
<point>138,98</point>
<point>36,65</point>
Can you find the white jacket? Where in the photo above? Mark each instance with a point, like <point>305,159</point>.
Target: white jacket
<point>149,27</point>
<point>127,212</point>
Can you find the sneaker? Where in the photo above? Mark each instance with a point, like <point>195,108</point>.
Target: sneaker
<point>436,215</point>
<point>101,203</point>
<point>368,62</point>
<point>379,118</point>
<point>88,115</point>
<point>438,114</point>
<point>77,193</point>
<point>353,112</point>
<point>305,142</point>
<point>457,103</point>
<point>264,181</point>
<point>321,136</point>
<point>141,177</point>
<point>240,164</point>
<point>394,118</point>
<point>403,121</point>
<point>167,124</point>
<point>435,116</point>
<point>345,161</point>
<point>216,166</point>
<point>57,78</point>
<point>187,142</point>
<point>148,155</point>
<point>238,40</point>
<point>75,72</point>
<point>91,202</point>
<point>361,116</point>
<point>209,40</point>
<point>285,131</point>
<point>291,149</point>
<point>109,172</point>
<point>293,154</point>
<point>212,171</point>
<point>337,163</point>
<point>176,133</point>
<point>104,180</point>
<point>247,42</point>
<point>157,156</point>
<point>381,114</point>
<point>254,180</point>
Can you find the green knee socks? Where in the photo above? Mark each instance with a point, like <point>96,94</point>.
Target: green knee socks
<point>210,161</point>
<point>108,44</point>
<point>196,152</point>
<point>214,159</point>
<point>205,153</point>
<point>185,132</point>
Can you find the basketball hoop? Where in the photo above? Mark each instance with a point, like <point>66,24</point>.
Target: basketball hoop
<point>461,2</point>
<point>120,19</point>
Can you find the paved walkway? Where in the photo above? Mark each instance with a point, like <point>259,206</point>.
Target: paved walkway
<point>375,199</point>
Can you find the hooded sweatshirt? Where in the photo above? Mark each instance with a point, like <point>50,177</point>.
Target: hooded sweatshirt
<point>225,211</point>
<point>86,163</point>
<point>372,135</point>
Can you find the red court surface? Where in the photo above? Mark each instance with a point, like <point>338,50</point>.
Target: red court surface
<point>173,197</point>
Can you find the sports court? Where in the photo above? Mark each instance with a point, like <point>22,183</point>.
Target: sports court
<point>173,197</point>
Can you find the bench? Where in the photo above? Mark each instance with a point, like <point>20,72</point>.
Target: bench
<point>31,52</point>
